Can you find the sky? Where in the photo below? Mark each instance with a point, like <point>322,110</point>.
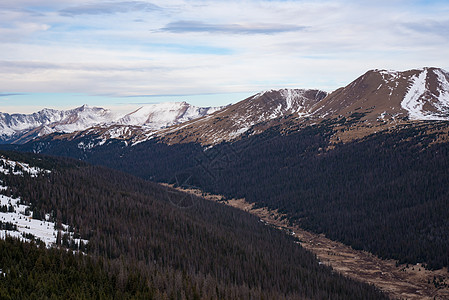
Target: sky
<point>123,54</point>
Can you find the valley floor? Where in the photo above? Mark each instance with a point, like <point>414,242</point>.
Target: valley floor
<point>398,281</point>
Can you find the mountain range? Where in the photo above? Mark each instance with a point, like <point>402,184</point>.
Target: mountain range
<point>384,98</point>
<point>20,128</point>
<point>380,98</point>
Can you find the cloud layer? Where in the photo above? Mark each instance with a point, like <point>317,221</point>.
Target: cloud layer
<point>195,26</point>
<point>188,47</point>
<point>104,8</point>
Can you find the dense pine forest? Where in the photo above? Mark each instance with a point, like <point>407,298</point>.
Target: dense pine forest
<point>386,193</point>
<point>32,272</point>
<point>143,244</point>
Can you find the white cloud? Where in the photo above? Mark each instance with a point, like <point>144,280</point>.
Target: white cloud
<point>261,28</point>
<point>103,8</point>
<point>188,47</point>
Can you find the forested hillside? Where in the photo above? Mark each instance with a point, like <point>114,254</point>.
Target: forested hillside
<point>31,272</point>
<point>386,193</point>
<point>143,242</point>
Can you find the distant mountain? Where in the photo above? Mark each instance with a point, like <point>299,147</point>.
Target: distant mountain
<point>375,101</point>
<point>239,118</point>
<point>157,116</point>
<point>421,94</point>
<point>181,122</point>
<point>17,127</point>
<point>20,128</point>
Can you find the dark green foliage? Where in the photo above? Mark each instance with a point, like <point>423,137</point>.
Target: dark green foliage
<point>31,272</point>
<point>386,194</point>
<point>206,251</point>
<point>8,226</point>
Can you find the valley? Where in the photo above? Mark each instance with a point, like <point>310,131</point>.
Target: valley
<point>142,246</point>
<point>399,281</point>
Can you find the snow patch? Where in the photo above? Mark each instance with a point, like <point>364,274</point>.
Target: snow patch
<point>16,219</point>
<point>388,75</point>
<point>238,132</point>
<point>21,218</point>
<point>443,90</point>
<point>411,101</point>
<point>19,168</point>
<point>382,116</point>
<point>415,99</point>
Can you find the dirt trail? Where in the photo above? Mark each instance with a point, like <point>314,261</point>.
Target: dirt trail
<point>399,282</point>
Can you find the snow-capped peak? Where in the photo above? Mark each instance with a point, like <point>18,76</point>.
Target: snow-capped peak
<point>237,119</point>
<point>161,115</point>
<point>287,101</point>
<point>154,116</point>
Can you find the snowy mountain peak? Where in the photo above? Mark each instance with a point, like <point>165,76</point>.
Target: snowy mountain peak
<point>237,119</point>
<point>418,94</point>
<point>22,127</point>
<point>286,101</point>
<point>161,115</point>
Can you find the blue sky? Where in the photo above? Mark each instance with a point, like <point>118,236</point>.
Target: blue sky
<point>121,54</point>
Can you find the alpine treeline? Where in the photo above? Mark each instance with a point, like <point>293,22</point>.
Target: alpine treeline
<point>144,242</point>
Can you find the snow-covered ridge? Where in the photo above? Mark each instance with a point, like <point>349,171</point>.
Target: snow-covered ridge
<point>54,120</point>
<point>16,218</point>
<point>237,119</point>
<point>424,103</point>
<point>155,116</point>
<point>290,100</point>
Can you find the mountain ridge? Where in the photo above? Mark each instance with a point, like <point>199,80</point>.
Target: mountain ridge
<point>239,118</point>
<point>418,94</point>
<point>20,128</point>
<point>375,101</point>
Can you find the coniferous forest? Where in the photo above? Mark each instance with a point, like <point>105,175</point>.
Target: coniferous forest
<point>386,193</point>
<point>144,244</point>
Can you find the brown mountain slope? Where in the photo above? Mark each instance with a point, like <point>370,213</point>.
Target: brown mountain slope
<point>237,119</point>
<point>378,100</point>
<point>389,95</point>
